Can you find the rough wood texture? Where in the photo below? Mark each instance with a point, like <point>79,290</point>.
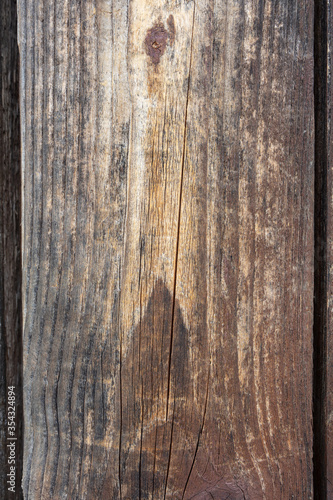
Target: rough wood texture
<point>329,188</point>
<point>167,248</point>
<point>10,241</point>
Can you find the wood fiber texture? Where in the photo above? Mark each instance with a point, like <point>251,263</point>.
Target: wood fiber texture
<point>10,243</point>
<point>168,191</point>
<point>329,187</point>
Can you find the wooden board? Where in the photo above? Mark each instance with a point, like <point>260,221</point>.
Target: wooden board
<point>10,250</point>
<point>328,415</point>
<point>168,177</point>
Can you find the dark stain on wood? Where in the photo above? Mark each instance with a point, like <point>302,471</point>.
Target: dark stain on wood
<point>157,38</point>
<point>172,29</point>
<point>147,433</point>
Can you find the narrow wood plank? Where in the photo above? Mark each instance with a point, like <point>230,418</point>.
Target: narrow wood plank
<point>10,251</point>
<point>167,248</point>
<point>75,114</point>
<point>328,415</point>
<point>256,441</point>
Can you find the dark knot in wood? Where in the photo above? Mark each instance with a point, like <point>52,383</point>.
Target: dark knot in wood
<point>155,42</point>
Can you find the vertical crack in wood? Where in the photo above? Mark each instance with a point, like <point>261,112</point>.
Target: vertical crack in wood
<point>199,436</point>
<point>120,407</point>
<point>169,457</point>
<point>178,224</point>
<point>141,436</point>
<point>320,253</point>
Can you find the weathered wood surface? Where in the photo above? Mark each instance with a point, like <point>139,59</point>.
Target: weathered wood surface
<point>10,244</point>
<point>329,190</point>
<point>168,181</point>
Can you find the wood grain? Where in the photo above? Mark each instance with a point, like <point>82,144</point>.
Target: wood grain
<point>10,244</point>
<point>168,178</point>
<point>328,362</point>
